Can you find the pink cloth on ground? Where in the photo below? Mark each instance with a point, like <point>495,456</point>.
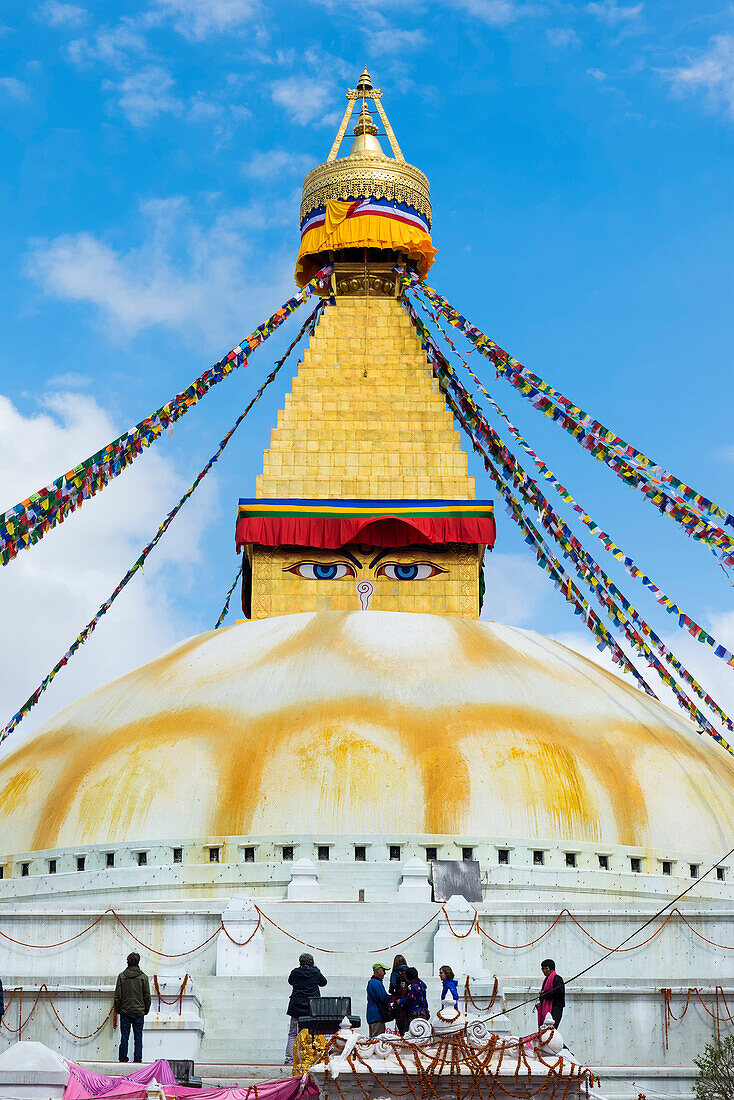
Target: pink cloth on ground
<point>286,1088</point>
<point>83,1083</point>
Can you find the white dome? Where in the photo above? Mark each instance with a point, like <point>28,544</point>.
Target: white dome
<point>368,723</point>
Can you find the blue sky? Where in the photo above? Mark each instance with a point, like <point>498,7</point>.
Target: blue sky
<point>580,157</point>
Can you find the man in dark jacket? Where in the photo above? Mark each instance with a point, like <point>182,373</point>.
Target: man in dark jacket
<point>378,1001</point>
<point>552,996</point>
<point>305,980</point>
<point>132,1005</point>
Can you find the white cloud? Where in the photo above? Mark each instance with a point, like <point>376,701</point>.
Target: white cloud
<point>611,13</point>
<point>197,19</point>
<point>497,13</point>
<point>145,95</point>
<point>185,275</point>
<point>515,589</point>
<point>597,74</point>
<point>51,590</point>
<point>70,381</point>
<point>57,14</point>
<point>306,100</point>
<point>389,40</point>
<point>711,73</point>
<point>269,165</point>
<point>111,46</point>
<point>562,38</point>
<point>15,88</point>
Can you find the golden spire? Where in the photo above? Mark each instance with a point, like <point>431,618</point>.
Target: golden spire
<point>365,131</point>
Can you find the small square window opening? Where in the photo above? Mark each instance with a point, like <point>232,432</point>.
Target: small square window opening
<point>721,874</point>
<point>467,853</point>
<point>431,854</point>
<point>603,863</point>
<point>323,851</point>
<point>52,866</point>
<point>142,859</point>
<point>570,859</point>
<point>81,863</point>
<point>538,859</point>
<point>178,855</point>
<point>110,859</point>
<point>25,869</point>
<point>214,855</point>
<point>287,852</point>
<point>635,864</point>
<point>503,855</point>
<point>249,855</point>
<point>694,870</point>
<point>394,851</point>
<point>667,867</point>
<point>360,853</point>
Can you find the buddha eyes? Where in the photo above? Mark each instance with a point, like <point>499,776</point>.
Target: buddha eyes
<point>337,570</point>
<point>322,571</point>
<point>418,571</point>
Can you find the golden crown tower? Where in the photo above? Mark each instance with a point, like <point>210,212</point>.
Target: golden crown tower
<point>365,433</point>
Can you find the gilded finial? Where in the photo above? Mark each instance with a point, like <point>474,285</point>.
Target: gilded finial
<point>364,124</point>
<point>364,84</point>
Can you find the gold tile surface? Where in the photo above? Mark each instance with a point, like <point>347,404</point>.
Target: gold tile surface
<point>365,417</point>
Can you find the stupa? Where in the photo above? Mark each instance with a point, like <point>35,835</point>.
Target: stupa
<point>292,778</point>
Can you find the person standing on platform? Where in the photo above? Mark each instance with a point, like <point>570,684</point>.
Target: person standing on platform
<point>552,996</point>
<point>305,980</point>
<point>415,1000</point>
<point>398,989</point>
<point>132,1005</point>
<point>446,975</point>
<point>378,1001</point>
<point>397,976</point>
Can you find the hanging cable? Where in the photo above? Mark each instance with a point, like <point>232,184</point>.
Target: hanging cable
<point>104,608</point>
<point>225,609</point>
<point>685,622</point>
<point>614,950</point>
<point>670,495</point>
<point>471,418</point>
<point>29,521</point>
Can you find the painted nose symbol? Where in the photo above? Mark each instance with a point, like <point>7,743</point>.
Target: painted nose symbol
<point>364,591</point>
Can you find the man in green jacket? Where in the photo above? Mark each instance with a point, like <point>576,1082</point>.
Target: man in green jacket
<point>132,1005</point>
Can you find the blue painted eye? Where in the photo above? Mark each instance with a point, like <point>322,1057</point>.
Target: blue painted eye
<point>322,571</point>
<point>417,571</point>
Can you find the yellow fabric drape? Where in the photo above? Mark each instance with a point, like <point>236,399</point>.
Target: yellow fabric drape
<point>365,231</point>
<point>336,212</point>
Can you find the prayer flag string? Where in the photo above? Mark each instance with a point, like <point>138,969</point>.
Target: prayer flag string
<point>29,521</point>
<point>473,421</point>
<point>685,622</point>
<point>225,609</point>
<point>91,626</point>
<point>670,495</point>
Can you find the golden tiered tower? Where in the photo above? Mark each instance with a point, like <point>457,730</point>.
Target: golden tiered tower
<point>365,417</point>
<point>365,421</point>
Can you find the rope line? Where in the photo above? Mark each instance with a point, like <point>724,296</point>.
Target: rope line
<point>104,608</point>
<point>670,495</point>
<point>685,622</point>
<point>475,927</point>
<point>625,941</point>
<point>589,572</point>
<point>29,521</point>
